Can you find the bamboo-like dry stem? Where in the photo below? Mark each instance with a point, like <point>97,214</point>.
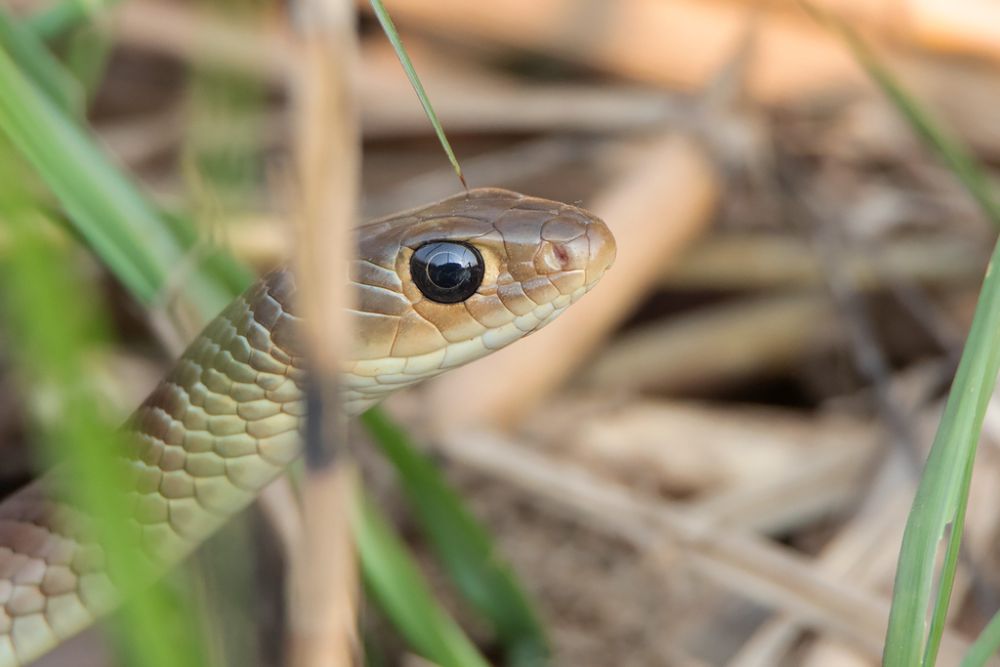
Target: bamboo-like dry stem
<point>323,574</point>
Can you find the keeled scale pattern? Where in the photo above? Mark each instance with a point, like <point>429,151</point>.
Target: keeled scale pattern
<point>223,424</point>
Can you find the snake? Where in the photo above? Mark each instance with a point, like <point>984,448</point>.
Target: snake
<point>434,288</point>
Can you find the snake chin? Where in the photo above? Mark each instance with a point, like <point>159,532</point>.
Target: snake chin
<point>575,296</point>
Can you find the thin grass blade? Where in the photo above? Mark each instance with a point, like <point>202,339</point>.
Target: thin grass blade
<point>108,211</point>
<point>397,44</point>
<point>87,52</point>
<point>942,494</point>
<point>986,646</point>
<point>951,151</point>
<point>39,65</point>
<point>52,325</point>
<point>393,580</point>
<point>64,16</point>
<point>463,545</point>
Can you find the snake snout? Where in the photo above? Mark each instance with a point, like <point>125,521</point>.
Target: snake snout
<point>601,250</point>
<point>576,250</point>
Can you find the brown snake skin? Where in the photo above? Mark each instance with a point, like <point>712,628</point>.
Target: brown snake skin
<point>225,421</point>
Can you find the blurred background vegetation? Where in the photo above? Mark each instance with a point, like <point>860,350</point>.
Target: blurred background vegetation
<point>708,461</point>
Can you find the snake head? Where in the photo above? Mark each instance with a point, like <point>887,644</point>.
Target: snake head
<point>445,284</point>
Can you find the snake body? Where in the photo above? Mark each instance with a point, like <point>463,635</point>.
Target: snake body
<point>226,419</point>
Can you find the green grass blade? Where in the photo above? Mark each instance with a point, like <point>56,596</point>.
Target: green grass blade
<point>393,580</point>
<point>459,540</point>
<point>86,54</point>
<point>986,645</point>
<point>397,44</point>
<point>223,174</point>
<point>942,494</point>
<point>64,16</point>
<point>951,151</point>
<point>62,156</point>
<point>948,570</point>
<point>104,206</point>
<point>39,65</point>
<point>52,327</point>
<point>463,545</point>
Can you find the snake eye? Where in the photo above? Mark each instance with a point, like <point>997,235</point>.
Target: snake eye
<point>447,272</point>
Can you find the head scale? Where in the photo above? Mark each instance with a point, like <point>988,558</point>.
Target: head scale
<point>446,284</point>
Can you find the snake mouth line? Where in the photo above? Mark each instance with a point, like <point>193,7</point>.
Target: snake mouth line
<point>573,298</point>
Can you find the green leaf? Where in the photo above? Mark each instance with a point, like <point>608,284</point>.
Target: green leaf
<point>463,545</point>
<point>107,210</point>
<point>64,16</point>
<point>393,580</point>
<point>986,645</point>
<point>87,52</point>
<point>942,494</point>
<point>39,65</point>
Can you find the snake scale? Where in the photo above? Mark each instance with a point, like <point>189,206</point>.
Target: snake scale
<point>436,287</point>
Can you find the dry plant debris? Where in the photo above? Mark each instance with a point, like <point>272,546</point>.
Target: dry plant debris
<point>689,468</point>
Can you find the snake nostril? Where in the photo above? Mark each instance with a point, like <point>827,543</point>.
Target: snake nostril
<point>562,255</point>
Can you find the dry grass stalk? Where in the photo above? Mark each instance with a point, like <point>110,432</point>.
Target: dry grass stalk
<point>682,43</point>
<point>466,97</point>
<point>865,549</point>
<point>677,44</point>
<point>718,344</point>
<point>755,469</point>
<point>756,568</point>
<point>470,97</point>
<point>655,209</point>
<point>874,532</point>
<point>282,509</point>
<point>967,27</point>
<point>964,95</point>
<point>735,261</point>
<point>197,36</point>
<point>825,484</point>
<point>323,575</point>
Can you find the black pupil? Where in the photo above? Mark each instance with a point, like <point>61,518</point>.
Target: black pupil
<point>449,268</point>
<point>447,272</point>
